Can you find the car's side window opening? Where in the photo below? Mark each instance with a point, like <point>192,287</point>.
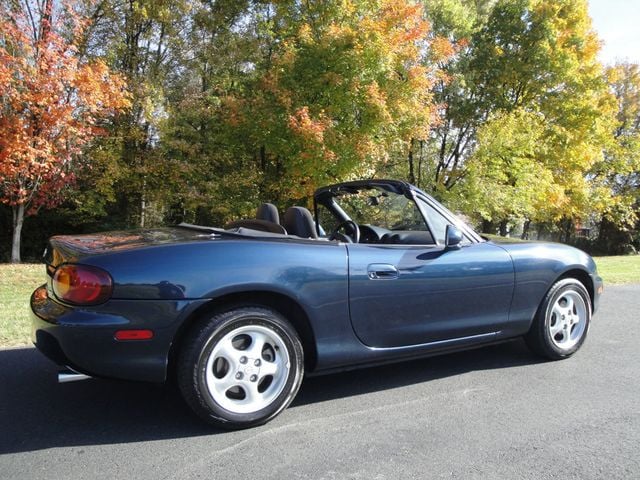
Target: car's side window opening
<point>326,219</point>
<point>381,215</point>
<point>437,222</point>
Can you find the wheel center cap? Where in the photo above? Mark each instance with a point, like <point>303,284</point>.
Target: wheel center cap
<point>250,370</point>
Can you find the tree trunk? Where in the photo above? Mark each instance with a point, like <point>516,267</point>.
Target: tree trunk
<point>412,175</point>
<point>488,227</point>
<point>525,230</point>
<point>143,205</point>
<point>18,220</point>
<point>503,228</point>
<point>419,179</point>
<point>568,230</point>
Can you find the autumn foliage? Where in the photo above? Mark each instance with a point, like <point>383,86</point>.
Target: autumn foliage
<point>52,104</point>
<point>499,108</point>
<point>348,85</point>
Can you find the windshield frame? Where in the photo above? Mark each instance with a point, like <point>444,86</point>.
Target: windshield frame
<point>326,196</point>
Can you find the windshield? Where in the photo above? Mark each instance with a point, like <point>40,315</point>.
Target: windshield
<point>375,206</point>
<point>382,213</point>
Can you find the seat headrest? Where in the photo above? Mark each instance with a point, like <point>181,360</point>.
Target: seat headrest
<point>268,212</point>
<point>298,221</point>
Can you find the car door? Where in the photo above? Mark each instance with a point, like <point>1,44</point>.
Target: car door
<point>409,295</point>
<point>402,295</point>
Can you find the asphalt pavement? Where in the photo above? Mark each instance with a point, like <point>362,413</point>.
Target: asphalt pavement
<point>495,413</point>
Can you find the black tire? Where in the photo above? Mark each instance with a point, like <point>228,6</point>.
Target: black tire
<point>553,333</point>
<point>221,350</point>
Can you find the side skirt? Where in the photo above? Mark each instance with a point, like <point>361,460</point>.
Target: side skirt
<point>379,357</point>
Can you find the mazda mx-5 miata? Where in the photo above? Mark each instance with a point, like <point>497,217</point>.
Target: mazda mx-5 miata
<point>240,314</point>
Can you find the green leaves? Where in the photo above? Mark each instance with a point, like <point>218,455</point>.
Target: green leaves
<point>499,107</point>
<point>334,88</point>
<point>528,114</point>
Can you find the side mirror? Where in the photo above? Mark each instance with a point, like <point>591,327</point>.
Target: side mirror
<point>453,237</point>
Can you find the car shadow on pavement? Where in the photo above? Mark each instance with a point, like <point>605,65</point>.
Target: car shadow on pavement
<point>357,382</point>
<point>37,413</point>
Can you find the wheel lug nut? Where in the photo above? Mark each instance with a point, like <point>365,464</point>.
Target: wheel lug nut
<point>253,378</point>
<point>243,359</point>
<point>239,376</point>
<point>257,363</point>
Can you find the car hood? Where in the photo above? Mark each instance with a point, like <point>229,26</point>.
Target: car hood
<point>508,240</point>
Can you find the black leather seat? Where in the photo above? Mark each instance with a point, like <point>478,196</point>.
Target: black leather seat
<point>268,212</point>
<point>267,220</point>
<point>298,221</point>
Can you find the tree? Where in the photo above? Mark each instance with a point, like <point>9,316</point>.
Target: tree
<point>454,135</point>
<point>533,57</point>
<point>302,93</point>
<point>52,105</point>
<point>210,178</point>
<point>344,85</point>
<point>142,41</point>
<point>503,179</point>
<point>619,172</point>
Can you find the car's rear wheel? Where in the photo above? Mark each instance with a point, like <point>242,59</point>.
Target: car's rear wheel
<point>562,321</point>
<point>241,367</point>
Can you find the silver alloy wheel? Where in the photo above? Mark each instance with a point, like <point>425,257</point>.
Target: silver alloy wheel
<point>247,369</point>
<point>568,320</point>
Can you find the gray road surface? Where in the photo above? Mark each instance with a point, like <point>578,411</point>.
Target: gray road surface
<point>494,413</point>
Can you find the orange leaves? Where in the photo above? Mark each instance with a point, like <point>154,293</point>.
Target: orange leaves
<point>52,105</point>
<point>310,130</point>
<point>398,22</point>
<point>309,134</point>
<point>441,48</point>
<point>347,84</point>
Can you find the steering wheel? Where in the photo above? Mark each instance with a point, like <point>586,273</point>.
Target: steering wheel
<point>354,237</point>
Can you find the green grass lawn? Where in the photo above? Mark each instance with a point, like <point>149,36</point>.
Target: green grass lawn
<point>18,281</point>
<point>16,284</point>
<point>619,270</point>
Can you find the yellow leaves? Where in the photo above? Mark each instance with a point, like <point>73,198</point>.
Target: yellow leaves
<point>346,83</point>
<point>348,7</point>
<point>310,133</point>
<point>377,99</point>
<point>304,33</point>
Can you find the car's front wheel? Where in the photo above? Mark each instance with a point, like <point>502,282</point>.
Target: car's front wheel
<point>241,367</point>
<point>562,321</point>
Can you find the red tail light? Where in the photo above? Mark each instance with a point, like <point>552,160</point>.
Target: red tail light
<point>82,284</point>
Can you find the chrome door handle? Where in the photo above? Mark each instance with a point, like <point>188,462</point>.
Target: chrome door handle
<point>382,271</point>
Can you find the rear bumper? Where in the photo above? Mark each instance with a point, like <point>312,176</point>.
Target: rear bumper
<point>83,339</point>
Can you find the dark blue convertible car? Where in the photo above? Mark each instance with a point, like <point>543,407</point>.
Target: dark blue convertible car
<point>240,314</point>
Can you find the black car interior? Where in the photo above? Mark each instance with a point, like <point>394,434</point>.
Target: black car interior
<point>267,220</point>
<point>298,221</point>
<point>269,213</point>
